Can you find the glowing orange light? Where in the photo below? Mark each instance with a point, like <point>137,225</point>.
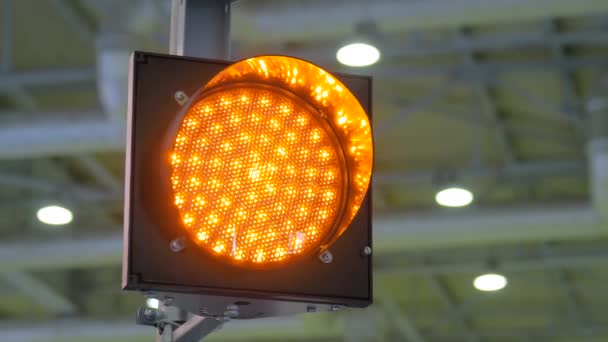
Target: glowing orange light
<point>267,173</point>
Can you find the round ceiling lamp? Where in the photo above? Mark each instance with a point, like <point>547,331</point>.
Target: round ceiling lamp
<point>454,197</point>
<point>54,215</point>
<point>358,55</point>
<point>490,282</point>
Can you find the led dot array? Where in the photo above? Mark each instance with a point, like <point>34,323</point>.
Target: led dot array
<point>256,176</point>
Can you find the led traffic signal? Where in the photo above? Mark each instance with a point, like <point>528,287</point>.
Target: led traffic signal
<point>252,190</point>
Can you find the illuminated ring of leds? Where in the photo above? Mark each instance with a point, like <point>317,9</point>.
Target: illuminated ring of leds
<point>236,76</point>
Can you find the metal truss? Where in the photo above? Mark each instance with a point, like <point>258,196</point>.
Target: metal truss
<point>481,90</point>
<point>451,304</point>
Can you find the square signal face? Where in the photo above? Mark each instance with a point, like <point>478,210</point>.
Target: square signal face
<point>275,152</point>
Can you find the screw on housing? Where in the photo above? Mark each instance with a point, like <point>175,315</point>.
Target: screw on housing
<point>177,244</point>
<point>326,257</point>
<point>181,97</point>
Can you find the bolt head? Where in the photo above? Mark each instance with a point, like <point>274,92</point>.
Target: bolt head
<point>326,257</point>
<point>177,245</point>
<point>367,250</point>
<point>180,97</point>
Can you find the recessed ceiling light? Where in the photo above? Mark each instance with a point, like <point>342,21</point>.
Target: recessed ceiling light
<point>54,215</point>
<point>490,282</point>
<point>454,197</point>
<point>152,303</point>
<point>358,55</point>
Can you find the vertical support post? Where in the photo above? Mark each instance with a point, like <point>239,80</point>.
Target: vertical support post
<point>200,28</point>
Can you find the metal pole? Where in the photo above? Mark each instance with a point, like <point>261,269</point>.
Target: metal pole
<point>200,28</point>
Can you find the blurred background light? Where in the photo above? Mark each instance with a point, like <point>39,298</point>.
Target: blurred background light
<point>454,197</point>
<point>490,282</point>
<point>358,55</point>
<point>152,303</point>
<point>54,215</point>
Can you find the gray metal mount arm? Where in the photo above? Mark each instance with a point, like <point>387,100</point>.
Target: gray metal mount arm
<point>176,325</point>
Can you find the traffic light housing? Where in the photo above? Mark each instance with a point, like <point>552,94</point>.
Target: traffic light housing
<point>254,190</point>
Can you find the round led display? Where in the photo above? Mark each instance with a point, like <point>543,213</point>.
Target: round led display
<point>270,162</point>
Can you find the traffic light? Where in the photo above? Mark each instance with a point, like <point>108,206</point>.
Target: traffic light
<point>248,184</point>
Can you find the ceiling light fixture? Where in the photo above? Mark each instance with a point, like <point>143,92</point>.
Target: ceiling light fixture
<point>54,215</point>
<point>454,197</point>
<point>490,282</point>
<point>358,55</point>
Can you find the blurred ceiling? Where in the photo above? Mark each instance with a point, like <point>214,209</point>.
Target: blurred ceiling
<point>503,97</point>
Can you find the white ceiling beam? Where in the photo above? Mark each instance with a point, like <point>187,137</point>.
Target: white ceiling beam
<point>276,20</point>
<point>483,70</point>
<point>402,47</point>
<point>390,264</point>
<point>511,172</point>
<point>56,133</point>
<point>61,253</point>
<point>46,77</point>
<point>392,234</point>
<point>411,231</point>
